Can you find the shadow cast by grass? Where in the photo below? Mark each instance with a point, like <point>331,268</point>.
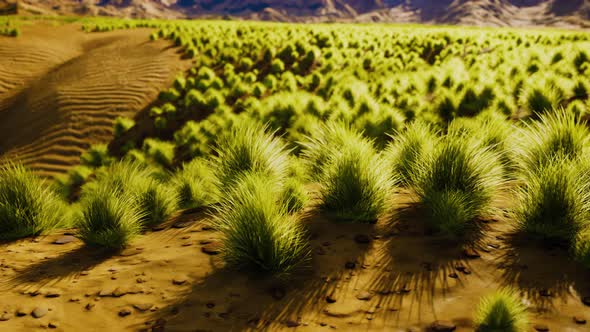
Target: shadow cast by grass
<point>415,266</point>
<point>230,300</point>
<point>67,265</point>
<point>544,272</point>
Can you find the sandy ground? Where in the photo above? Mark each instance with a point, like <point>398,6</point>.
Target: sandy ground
<point>61,89</point>
<point>384,277</point>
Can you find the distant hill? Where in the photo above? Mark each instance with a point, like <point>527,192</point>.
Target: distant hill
<point>562,13</point>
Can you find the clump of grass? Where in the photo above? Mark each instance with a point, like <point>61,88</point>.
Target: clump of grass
<point>293,195</point>
<point>122,125</point>
<point>108,219</point>
<point>326,140</point>
<point>554,202</point>
<point>257,232</point>
<point>96,156</point>
<point>557,135</point>
<point>456,184</point>
<point>159,151</point>
<point>247,147</point>
<point>196,184</point>
<point>409,149</point>
<point>501,311</point>
<point>27,205</point>
<point>154,199</point>
<point>354,180</point>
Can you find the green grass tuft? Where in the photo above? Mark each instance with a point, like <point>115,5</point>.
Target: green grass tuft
<point>457,184</point>
<point>354,181</point>
<point>196,184</point>
<point>554,202</point>
<point>27,205</point>
<point>502,311</point>
<point>248,148</point>
<point>409,150</point>
<point>557,135</point>
<point>257,231</point>
<point>108,219</point>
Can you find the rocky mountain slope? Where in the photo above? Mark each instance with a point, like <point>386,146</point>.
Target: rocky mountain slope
<point>564,13</point>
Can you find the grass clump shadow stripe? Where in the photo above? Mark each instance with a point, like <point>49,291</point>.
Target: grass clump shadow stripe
<point>109,219</point>
<point>457,184</point>
<point>257,232</point>
<point>354,180</point>
<point>27,205</point>
<point>249,148</point>
<point>501,311</point>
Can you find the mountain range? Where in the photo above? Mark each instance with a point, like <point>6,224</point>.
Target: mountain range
<point>561,13</point>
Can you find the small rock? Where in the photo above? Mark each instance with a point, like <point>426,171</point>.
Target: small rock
<point>75,299</point>
<point>364,296</point>
<point>64,239</point>
<point>292,323</point>
<point>89,306</point>
<point>104,293</point>
<point>124,312</point>
<point>213,248</point>
<point>53,294</point>
<point>21,312</point>
<point>362,239</point>
<point>586,300</point>
<point>158,228</point>
<point>206,241</point>
<point>541,328</point>
<point>140,280</point>
<point>579,320</point>
<point>39,312</point>
<point>330,299</point>
<point>442,326</point>
<point>179,281</point>
<point>182,224</point>
<point>350,265</point>
<point>453,275</point>
<point>471,253</point>
<point>52,325</point>
<point>143,306</point>
<point>278,293</point>
<point>4,317</point>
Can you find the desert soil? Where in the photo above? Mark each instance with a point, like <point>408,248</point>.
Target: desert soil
<point>61,89</point>
<point>384,277</point>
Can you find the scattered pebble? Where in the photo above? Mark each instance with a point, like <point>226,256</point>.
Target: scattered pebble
<point>579,320</point>
<point>53,294</point>
<point>179,281</point>
<point>213,248</point>
<point>65,239</point>
<point>143,306</point>
<point>52,325</point>
<point>330,299</point>
<point>181,224</point>
<point>4,317</point>
<point>124,312</point>
<point>471,253</point>
<point>350,265</point>
<point>39,312</point>
<point>89,306</point>
<point>364,296</point>
<point>541,328</point>
<point>442,326</point>
<point>21,312</point>
<point>453,275</point>
<point>292,323</point>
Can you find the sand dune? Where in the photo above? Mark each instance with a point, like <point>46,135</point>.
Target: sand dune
<point>61,89</point>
